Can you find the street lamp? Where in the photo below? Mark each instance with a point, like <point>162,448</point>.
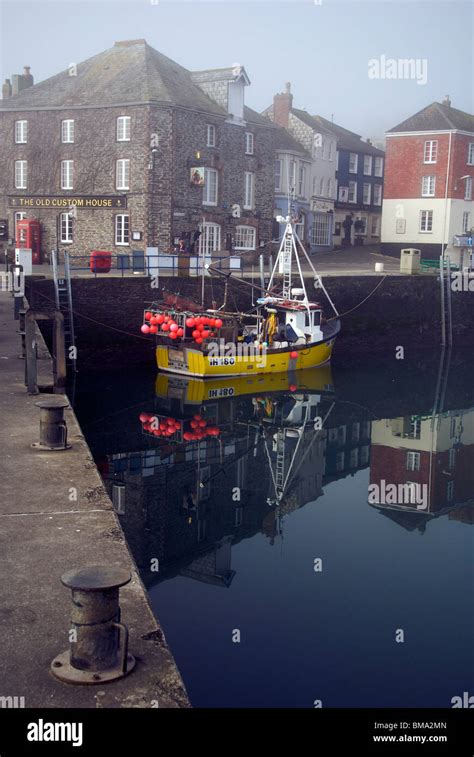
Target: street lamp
<point>461,178</point>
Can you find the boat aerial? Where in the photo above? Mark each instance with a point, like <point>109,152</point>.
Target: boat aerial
<point>286,331</point>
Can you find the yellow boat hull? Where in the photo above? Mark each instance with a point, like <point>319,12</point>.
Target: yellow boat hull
<point>189,361</point>
<point>197,391</point>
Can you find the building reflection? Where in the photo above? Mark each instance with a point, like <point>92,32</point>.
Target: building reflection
<point>223,461</point>
<point>436,452</point>
<point>430,453</point>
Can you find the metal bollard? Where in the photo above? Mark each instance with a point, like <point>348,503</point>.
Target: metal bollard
<point>22,332</point>
<point>93,656</point>
<point>53,429</point>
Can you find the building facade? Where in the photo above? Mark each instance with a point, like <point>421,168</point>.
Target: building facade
<point>292,185</point>
<point>429,176</point>
<point>359,187</point>
<point>319,147</point>
<point>129,149</point>
<point>346,180</point>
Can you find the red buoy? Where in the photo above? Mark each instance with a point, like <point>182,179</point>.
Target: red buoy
<point>190,322</point>
<point>147,315</point>
<point>145,329</point>
<point>165,327</point>
<point>153,329</point>
<point>293,355</point>
<point>218,323</point>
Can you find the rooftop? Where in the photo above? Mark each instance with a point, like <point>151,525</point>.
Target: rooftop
<point>437,117</point>
<point>285,141</point>
<point>130,72</point>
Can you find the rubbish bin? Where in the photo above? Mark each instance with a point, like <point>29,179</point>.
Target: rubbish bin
<point>138,261</point>
<point>24,257</point>
<point>123,261</point>
<point>410,260</point>
<point>183,264</point>
<point>100,261</point>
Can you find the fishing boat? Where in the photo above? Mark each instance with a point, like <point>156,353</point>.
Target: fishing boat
<point>285,331</point>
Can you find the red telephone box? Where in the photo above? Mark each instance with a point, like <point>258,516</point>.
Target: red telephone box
<point>28,235</point>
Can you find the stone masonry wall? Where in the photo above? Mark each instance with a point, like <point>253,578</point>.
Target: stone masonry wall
<point>94,152</point>
<point>402,312</point>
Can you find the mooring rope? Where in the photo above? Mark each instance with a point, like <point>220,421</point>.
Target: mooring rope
<point>341,315</point>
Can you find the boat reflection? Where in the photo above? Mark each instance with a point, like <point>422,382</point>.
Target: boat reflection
<point>222,460</point>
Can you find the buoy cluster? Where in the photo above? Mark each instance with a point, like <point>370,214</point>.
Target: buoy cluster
<point>162,323</point>
<point>203,327</point>
<point>197,428</point>
<point>159,426</point>
<point>198,328</point>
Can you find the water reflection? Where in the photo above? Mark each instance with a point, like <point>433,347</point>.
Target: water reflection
<point>229,490</point>
<point>223,460</point>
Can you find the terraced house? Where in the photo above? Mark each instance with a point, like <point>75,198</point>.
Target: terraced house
<point>430,171</point>
<point>345,184</point>
<point>130,149</point>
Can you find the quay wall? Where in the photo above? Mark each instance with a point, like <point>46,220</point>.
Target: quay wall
<point>402,311</point>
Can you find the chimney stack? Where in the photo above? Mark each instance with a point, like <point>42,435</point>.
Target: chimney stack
<point>447,101</point>
<point>282,104</point>
<point>6,89</point>
<point>27,77</point>
<point>22,81</point>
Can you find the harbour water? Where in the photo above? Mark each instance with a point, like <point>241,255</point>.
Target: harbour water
<point>282,570</point>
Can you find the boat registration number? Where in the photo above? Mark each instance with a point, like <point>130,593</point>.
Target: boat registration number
<point>222,361</point>
<point>227,391</point>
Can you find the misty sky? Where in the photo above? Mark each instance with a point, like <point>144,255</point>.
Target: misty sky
<point>323,50</point>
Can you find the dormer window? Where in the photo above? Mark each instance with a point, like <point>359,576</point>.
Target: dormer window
<point>236,93</point>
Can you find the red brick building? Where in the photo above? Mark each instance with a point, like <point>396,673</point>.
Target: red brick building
<point>429,172</point>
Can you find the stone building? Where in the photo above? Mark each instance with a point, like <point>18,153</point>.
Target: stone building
<point>130,150</point>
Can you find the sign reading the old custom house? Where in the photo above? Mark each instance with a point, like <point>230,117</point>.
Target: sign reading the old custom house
<point>85,201</point>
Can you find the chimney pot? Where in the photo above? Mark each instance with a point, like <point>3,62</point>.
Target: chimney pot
<point>447,101</point>
<point>288,87</point>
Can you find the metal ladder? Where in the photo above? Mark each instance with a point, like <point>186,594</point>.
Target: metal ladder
<point>287,254</point>
<point>63,295</point>
<point>446,305</point>
<point>280,461</point>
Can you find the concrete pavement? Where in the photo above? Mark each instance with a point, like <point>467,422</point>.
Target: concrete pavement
<point>354,261</point>
<point>43,534</point>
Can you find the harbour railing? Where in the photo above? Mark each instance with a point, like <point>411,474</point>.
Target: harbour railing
<point>136,263</point>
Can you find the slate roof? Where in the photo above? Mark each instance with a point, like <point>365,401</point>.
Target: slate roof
<point>219,74</point>
<point>348,140</point>
<point>129,72</point>
<point>436,117</point>
<point>285,141</point>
